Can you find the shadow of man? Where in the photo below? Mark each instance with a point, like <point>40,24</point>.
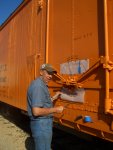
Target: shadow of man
<point>29,143</point>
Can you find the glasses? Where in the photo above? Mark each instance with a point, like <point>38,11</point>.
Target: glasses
<point>50,73</point>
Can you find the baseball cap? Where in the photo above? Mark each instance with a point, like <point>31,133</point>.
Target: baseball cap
<point>49,68</point>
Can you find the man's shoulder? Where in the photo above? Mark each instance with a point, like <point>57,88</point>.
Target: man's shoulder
<point>38,82</point>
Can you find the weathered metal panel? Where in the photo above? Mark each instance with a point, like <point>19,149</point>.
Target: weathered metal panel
<point>22,42</point>
<point>77,33</point>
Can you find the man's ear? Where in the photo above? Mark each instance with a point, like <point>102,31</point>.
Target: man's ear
<point>41,72</point>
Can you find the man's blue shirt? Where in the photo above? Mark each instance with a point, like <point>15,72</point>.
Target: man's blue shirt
<point>38,96</point>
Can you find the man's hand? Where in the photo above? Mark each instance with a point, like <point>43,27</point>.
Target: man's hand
<point>56,95</point>
<point>59,109</point>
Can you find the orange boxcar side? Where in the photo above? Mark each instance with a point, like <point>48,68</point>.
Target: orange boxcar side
<point>22,43</point>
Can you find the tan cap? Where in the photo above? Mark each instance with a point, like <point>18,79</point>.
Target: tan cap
<point>49,68</point>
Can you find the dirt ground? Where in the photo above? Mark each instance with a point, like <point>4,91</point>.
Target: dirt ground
<point>12,137</point>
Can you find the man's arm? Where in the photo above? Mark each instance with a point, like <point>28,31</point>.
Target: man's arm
<point>37,111</point>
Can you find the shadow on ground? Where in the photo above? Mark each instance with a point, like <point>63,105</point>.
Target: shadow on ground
<point>29,143</point>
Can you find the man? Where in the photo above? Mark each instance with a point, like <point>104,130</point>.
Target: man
<point>40,108</point>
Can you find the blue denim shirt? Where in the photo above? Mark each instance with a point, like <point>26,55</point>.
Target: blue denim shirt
<point>38,96</point>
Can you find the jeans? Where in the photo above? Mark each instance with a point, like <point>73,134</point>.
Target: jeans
<point>42,133</point>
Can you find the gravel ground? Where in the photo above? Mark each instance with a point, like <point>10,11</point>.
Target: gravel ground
<point>12,137</point>
<point>16,136</point>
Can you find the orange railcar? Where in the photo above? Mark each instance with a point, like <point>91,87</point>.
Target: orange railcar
<point>75,36</point>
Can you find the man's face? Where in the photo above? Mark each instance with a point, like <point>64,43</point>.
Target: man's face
<point>45,76</point>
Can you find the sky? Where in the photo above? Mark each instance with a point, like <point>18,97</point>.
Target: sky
<point>7,7</point>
